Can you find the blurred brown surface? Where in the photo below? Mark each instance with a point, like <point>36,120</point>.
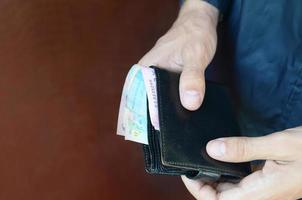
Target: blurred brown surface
<point>62,67</point>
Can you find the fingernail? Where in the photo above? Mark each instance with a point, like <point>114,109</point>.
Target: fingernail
<point>191,98</point>
<point>216,148</point>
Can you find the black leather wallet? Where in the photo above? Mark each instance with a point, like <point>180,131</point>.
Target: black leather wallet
<point>179,147</point>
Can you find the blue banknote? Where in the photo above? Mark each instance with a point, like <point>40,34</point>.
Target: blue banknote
<point>132,122</point>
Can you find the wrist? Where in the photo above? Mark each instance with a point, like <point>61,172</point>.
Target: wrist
<point>199,10</point>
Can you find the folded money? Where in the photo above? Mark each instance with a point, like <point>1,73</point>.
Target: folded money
<point>139,88</point>
<point>132,121</point>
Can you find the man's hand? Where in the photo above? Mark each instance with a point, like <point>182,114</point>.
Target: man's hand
<point>188,46</point>
<point>279,179</point>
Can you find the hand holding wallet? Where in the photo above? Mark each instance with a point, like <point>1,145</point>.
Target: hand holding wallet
<point>178,147</point>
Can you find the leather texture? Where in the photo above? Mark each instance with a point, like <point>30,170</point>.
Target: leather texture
<point>179,147</point>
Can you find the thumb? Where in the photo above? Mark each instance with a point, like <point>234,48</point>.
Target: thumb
<point>192,87</point>
<point>192,81</point>
<point>243,149</point>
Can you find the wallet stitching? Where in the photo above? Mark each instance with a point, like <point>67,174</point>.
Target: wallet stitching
<point>163,127</point>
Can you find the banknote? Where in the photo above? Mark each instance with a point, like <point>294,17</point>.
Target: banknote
<point>132,122</point>
<point>139,92</point>
<point>121,129</point>
<point>151,89</point>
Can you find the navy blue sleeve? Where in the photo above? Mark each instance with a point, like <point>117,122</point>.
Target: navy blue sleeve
<point>221,5</point>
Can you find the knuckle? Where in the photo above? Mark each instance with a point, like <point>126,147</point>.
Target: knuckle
<point>209,51</point>
<point>190,76</point>
<point>197,48</point>
<point>200,52</point>
<point>281,137</point>
<point>163,40</point>
<point>174,65</point>
<point>160,40</point>
<point>240,148</point>
<point>192,71</point>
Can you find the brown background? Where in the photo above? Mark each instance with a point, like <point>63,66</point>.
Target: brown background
<point>62,67</point>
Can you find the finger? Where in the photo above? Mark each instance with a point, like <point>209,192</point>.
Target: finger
<point>199,190</point>
<point>193,186</point>
<point>241,149</point>
<point>191,88</point>
<point>225,186</point>
<point>192,83</point>
<point>207,193</point>
<point>257,185</point>
<point>155,57</point>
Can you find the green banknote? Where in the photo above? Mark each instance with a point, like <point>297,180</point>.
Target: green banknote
<point>132,122</point>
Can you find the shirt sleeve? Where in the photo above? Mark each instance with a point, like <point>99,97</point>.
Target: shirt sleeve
<point>221,5</point>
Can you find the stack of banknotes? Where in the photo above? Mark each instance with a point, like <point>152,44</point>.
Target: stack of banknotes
<point>139,93</point>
